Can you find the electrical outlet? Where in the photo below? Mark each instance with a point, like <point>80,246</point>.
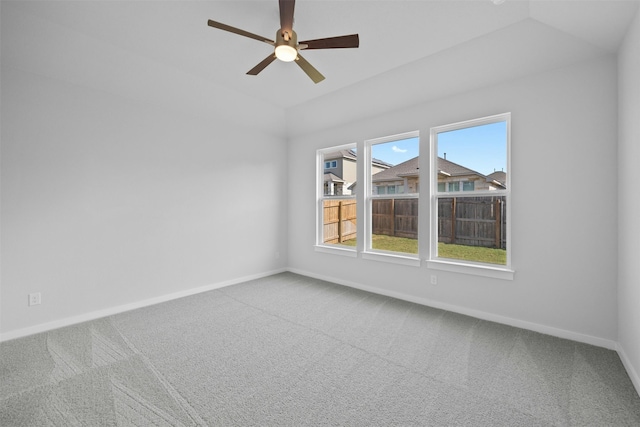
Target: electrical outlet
<point>434,279</point>
<point>35,298</point>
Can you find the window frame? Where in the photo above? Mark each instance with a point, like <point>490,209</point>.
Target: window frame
<point>367,251</point>
<point>463,266</point>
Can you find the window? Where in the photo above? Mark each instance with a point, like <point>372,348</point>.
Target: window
<point>368,198</point>
<point>337,207</point>
<point>453,186</point>
<point>470,193</point>
<point>388,189</point>
<point>331,164</point>
<point>391,197</point>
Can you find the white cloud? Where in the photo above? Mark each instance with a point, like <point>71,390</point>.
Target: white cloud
<point>398,150</point>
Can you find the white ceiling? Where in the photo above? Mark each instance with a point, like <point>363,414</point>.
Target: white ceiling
<point>174,36</point>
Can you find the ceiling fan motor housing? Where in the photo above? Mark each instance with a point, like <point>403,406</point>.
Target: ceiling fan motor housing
<point>286,45</point>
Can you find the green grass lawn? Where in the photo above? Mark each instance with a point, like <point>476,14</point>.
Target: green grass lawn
<point>472,253</point>
<point>445,250</point>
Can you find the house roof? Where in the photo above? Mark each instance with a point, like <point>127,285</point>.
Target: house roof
<point>401,170</point>
<point>499,176</point>
<point>341,154</point>
<point>450,168</point>
<point>411,168</point>
<point>351,155</point>
<point>329,177</point>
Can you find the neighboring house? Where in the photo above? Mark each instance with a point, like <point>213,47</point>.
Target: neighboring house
<point>334,185</point>
<point>452,177</point>
<point>401,178</point>
<point>340,171</point>
<point>499,176</point>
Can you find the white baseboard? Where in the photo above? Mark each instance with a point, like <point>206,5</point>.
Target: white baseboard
<point>73,320</point>
<point>561,333</point>
<point>633,374</point>
<point>544,329</point>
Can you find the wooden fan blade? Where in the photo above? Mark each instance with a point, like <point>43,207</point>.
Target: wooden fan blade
<point>262,65</point>
<point>286,14</point>
<point>339,42</point>
<point>238,31</point>
<point>309,69</point>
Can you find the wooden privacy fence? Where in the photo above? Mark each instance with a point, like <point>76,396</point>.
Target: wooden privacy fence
<point>395,217</point>
<point>339,220</point>
<point>471,221</point>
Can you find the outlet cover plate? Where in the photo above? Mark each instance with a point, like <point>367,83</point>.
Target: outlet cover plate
<point>35,298</point>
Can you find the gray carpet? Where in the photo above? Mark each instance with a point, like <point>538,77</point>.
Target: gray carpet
<point>288,351</point>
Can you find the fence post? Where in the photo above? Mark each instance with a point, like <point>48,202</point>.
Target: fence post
<point>393,217</point>
<point>498,224</point>
<point>453,220</point>
<point>340,237</point>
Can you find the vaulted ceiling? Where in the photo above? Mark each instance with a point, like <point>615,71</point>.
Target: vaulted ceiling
<point>146,48</point>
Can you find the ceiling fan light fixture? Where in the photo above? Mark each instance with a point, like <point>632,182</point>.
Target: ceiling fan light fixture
<point>286,53</point>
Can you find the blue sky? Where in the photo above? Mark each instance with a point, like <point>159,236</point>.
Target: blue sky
<point>396,151</point>
<point>480,148</point>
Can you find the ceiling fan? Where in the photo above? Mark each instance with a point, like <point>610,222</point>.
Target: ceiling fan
<point>287,47</point>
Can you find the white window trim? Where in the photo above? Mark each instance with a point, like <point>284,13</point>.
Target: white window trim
<point>468,267</point>
<point>367,251</point>
<point>336,250</point>
<point>462,266</point>
<point>320,246</point>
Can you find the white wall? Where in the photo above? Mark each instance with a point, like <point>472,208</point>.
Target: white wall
<point>629,202</point>
<point>564,131</point>
<point>110,197</point>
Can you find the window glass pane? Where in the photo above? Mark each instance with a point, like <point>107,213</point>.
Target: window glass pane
<point>394,221</point>
<point>338,213</point>
<point>442,187</point>
<point>472,228</point>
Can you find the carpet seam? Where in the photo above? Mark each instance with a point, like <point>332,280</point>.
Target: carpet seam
<point>177,397</point>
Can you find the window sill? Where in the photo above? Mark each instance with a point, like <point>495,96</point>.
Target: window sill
<point>336,250</point>
<point>472,269</point>
<point>392,258</point>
